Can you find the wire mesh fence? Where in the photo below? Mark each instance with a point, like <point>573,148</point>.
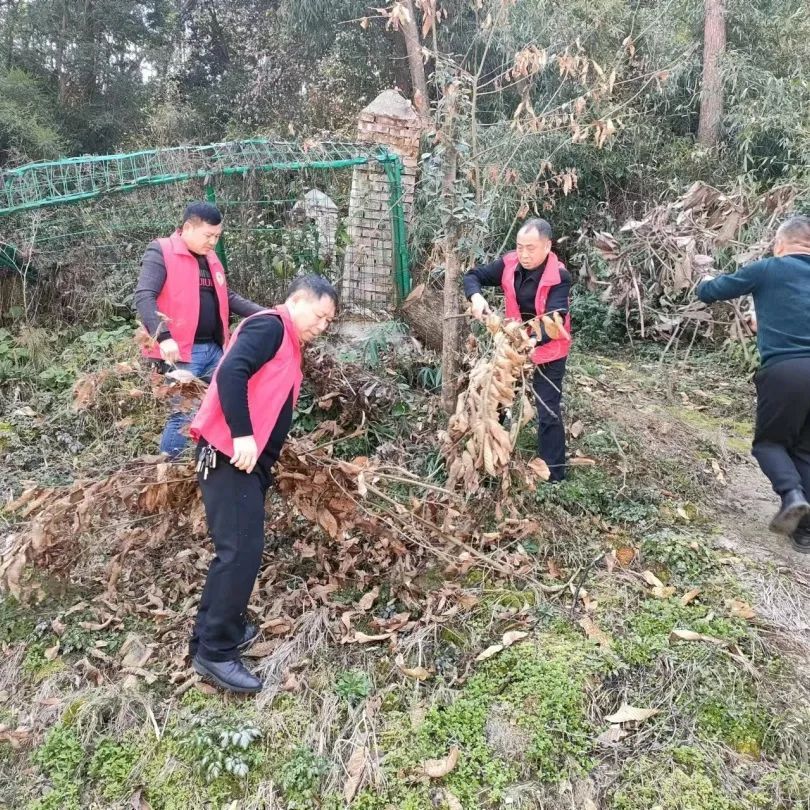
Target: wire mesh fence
<point>74,231</point>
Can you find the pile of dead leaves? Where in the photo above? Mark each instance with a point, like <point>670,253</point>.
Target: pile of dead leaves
<point>654,263</point>
<point>148,502</point>
<point>490,413</point>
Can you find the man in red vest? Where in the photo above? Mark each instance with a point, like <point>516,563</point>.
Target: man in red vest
<point>534,283</point>
<point>240,429</point>
<point>183,302</point>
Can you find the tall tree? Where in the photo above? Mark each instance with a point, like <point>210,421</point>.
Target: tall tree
<point>416,63</point>
<point>711,95</point>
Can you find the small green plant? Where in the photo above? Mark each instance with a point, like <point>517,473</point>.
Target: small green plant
<point>111,766</point>
<point>687,559</point>
<point>300,777</point>
<point>353,686</point>
<point>61,759</point>
<point>215,750</point>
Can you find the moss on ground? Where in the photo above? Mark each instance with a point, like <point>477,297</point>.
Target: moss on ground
<point>678,779</point>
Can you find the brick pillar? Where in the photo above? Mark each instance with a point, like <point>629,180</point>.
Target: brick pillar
<point>368,275</point>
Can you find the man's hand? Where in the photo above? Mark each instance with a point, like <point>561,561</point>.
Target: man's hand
<point>479,307</point>
<point>170,351</point>
<point>245,453</point>
<point>751,320</point>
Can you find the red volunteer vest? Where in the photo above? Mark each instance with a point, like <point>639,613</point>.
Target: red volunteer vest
<point>554,349</point>
<point>179,300</point>
<point>266,397</point>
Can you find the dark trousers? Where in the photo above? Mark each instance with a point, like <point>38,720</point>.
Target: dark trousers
<point>234,507</point>
<point>547,384</point>
<point>782,434</point>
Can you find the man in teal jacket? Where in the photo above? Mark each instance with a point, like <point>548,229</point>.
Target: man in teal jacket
<point>780,287</point>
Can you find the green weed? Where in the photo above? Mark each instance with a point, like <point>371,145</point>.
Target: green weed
<point>353,686</point>
<point>300,777</point>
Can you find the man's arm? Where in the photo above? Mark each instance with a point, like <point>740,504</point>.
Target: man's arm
<point>744,282</point>
<point>484,275</point>
<point>241,306</point>
<point>150,283</point>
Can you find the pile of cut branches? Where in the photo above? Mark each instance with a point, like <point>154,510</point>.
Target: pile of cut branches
<point>490,413</point>
<point>655,263</point>
<point>357,517</point>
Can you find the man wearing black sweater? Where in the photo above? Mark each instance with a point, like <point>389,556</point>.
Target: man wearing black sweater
<point>201,295</point>
<point>533,279</point>
<point>240,429</point>
<point>780,287</point>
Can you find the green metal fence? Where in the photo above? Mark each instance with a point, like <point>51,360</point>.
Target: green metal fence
<point>79,226</point>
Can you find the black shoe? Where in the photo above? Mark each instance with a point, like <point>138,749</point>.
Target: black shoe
<point>248,640</point>
<point>248,637</point>
<point>801,537</point>
<point>794,508</point>
<point>230,675</point>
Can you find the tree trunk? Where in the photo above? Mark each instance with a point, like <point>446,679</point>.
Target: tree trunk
<point>451,309</point>
<point>419,310</point>
<point>416,64</point>
<point>11,29</point>
<point>711,95</point>
<point>61,74</point>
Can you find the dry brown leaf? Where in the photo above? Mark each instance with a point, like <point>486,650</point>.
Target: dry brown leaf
<point>581,461</point>
<point>576,429</point>
<point>134,653</point>
<point>363,638</point>
<point>631,714</point>
<point>625,555</point>
<point>291,683</point>
<point>368,599</point>
<point>539,468</point>
<point>553,569</point>
<point>652,579</point>
<point>51,653</point>
<point>494,649</point>
<point>354,773</point>
<point>16,738</point>
<point>740,609</point>
<point>690,596</point>
<point>452,801</point>
<point>513,636</point>
<point>663,592</point>
<point>691,635</point>
<point>417,673</point>
<point>613,735</point>
<point>595,633</point>
<point>261,650</point>
<point>437,768</point>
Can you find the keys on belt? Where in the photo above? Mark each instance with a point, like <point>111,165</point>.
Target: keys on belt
<point>207,460</point>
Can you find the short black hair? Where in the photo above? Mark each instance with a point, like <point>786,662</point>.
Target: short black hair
<point>542,227</point>
<point>317,286</point>
<point>205,211</point>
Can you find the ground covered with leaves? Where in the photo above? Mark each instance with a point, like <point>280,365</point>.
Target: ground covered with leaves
<point>618,641</point>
